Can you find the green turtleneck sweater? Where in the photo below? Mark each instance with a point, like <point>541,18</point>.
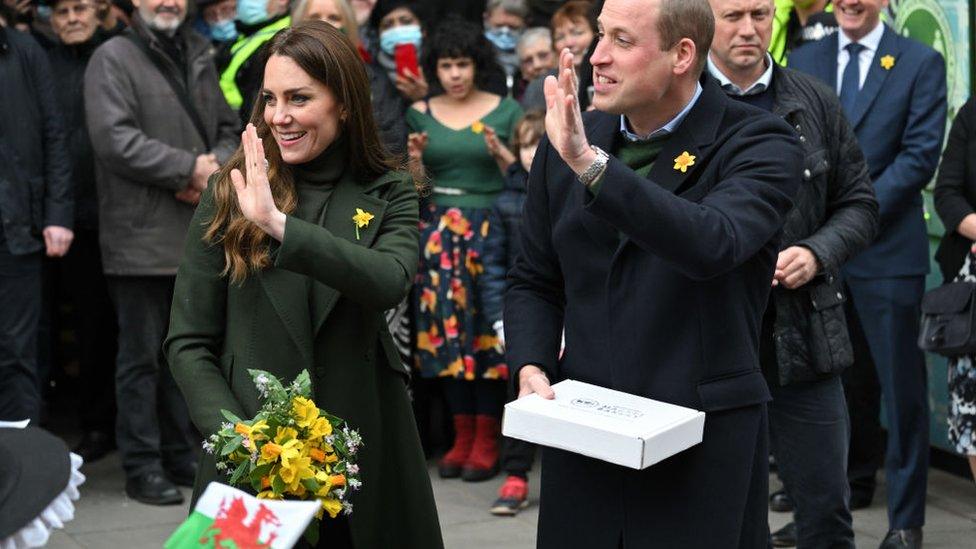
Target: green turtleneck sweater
<point>314,182</point>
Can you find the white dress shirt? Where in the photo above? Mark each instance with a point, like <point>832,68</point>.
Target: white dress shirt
<point>731,88</point>
<point>870,42</point>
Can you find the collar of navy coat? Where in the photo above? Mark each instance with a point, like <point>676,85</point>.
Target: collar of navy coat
<point>877,75</point>
<point>287,290</point>
<point>696,135</point>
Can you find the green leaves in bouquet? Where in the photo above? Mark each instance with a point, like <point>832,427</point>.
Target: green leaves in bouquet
<point>257,474</point>
<point>239,473</point>
<point>311,484</point>
<point>232,445</point>
<point>269,386</point>
<point>303,384</point>
<point>230,417</point>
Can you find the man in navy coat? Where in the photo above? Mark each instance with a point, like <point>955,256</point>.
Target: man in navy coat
<point>893,91</point>
<point>651,231</point>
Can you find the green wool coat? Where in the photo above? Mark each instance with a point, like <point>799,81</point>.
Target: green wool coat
<point>219,330</point>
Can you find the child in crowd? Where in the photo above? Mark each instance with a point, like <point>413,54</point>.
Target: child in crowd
<point>501,248</point>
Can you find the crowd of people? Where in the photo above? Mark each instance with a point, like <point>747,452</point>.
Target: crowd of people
<point>711,203</point>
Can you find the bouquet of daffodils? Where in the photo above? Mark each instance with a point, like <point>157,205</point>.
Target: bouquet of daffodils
<point>291,449</point>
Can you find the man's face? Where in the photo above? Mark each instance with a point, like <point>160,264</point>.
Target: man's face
<point>858,17</point>
<point>162,15</point>
<point>631,73</point>
<point>220,11</point>
<point>74,21</point>
<point>536,58</point>
<point>742,32</point>
<point>501,18</point>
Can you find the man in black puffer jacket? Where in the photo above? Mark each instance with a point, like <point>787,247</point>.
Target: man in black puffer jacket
<point>804,343</point>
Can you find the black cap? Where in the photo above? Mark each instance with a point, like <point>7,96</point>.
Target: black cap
<point>34,469</point>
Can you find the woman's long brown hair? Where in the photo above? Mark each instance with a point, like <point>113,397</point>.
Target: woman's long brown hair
<point>329,57</point>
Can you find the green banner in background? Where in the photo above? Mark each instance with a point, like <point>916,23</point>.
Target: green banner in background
<point>944,25</point>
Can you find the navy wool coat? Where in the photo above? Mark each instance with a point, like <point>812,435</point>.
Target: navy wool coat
<point>661,283</point>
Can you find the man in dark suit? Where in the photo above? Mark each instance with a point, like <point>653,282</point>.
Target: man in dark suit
<point>893,91</point>
<point>658,260</point>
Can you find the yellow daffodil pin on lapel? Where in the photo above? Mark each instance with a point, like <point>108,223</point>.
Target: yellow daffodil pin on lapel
<point>361,219</point>
<point>887,62</point>
<point>478,127</point>
<point>683,162</point>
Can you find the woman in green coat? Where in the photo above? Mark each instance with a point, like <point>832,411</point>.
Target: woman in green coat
<point>298,246</point>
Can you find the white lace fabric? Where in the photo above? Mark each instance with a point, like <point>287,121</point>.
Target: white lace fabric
<point>55,515</point>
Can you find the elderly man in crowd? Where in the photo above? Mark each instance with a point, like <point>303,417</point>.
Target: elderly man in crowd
<point>76,24</point>
<point>159,126</point>
<point>36,210</point>
<point>651,231</point>
<point>804,344</point>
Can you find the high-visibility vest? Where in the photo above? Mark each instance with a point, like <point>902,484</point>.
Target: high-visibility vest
<point>240,52</point>
<point>781,21</point>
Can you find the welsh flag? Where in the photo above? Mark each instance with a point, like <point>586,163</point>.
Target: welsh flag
<point>226,517</point>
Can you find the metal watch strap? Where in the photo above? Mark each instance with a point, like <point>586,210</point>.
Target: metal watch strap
<point>595,169</point>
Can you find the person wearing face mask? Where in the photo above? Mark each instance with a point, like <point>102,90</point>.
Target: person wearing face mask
<point>796,22</point>
<point>216,20</point>
<point>278,276</point>
<point>240,66</point>
<point>504,24</point>
<point>159,127</point>
<point>396,22</point>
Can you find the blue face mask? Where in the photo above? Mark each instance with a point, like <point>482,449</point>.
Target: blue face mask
<point>252,12</point>
<point>404,34</point>
<point>504,38</point>
<point>223,31</point>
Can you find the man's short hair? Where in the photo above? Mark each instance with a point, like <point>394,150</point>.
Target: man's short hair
<point>518,8</point>
<point>693,19</point>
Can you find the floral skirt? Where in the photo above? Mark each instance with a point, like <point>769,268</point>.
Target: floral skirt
<point>962,386</point>
<point>454,340</point>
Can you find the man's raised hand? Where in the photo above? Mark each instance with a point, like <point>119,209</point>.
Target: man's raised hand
<point>564,122</point>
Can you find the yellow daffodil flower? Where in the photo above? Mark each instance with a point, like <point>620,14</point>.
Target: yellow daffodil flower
<point>478,127</point>
<point>269,452</point>
<point>285,434</point>
<point>296,470</point>
<point>321,428</point>
<point>887,62</point>
<point>304,411</point>
<point>316,454</point>
<point>361,219</point>
<point>251,433</point>
<point>269,494</point>
<point>683,162</point>
<point>332,506</point>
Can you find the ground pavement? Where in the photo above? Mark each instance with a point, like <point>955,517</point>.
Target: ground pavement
<point>107,519</point>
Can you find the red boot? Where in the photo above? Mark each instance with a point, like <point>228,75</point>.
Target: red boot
<point>455,458</point>
<point>482,464</point>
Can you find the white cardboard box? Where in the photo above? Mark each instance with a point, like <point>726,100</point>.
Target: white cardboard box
<point>601,423</point>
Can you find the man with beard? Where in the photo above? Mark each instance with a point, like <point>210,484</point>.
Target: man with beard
<point>159,126</point>
<point>79,273</point>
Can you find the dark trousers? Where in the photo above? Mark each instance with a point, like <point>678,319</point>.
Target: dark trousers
<point>475,397</point>
<point>20,310</point>
<point>888,312</point>
<point>77,279</point>
<point>809,433</point>
<point>153,429</point>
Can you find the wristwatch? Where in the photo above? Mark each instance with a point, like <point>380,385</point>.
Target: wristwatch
<point>595,170</point>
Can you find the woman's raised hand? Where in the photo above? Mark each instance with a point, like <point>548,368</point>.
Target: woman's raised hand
<point>254,191</point>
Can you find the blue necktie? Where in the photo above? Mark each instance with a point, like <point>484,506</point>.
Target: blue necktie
<point>851,83</point>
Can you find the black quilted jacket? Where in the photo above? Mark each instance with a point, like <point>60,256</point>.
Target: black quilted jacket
<point>835,215</point>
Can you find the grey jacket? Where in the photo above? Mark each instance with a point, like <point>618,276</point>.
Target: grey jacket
<point>146,145</point>
<point>835,215</point>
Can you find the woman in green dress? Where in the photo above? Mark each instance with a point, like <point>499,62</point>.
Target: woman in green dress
<point>454,339</point>
<point>299,244</point>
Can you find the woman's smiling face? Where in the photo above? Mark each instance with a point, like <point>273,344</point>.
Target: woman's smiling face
<point>303,113</point>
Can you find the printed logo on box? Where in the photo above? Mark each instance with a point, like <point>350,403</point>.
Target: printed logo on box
<point>608,409</point>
